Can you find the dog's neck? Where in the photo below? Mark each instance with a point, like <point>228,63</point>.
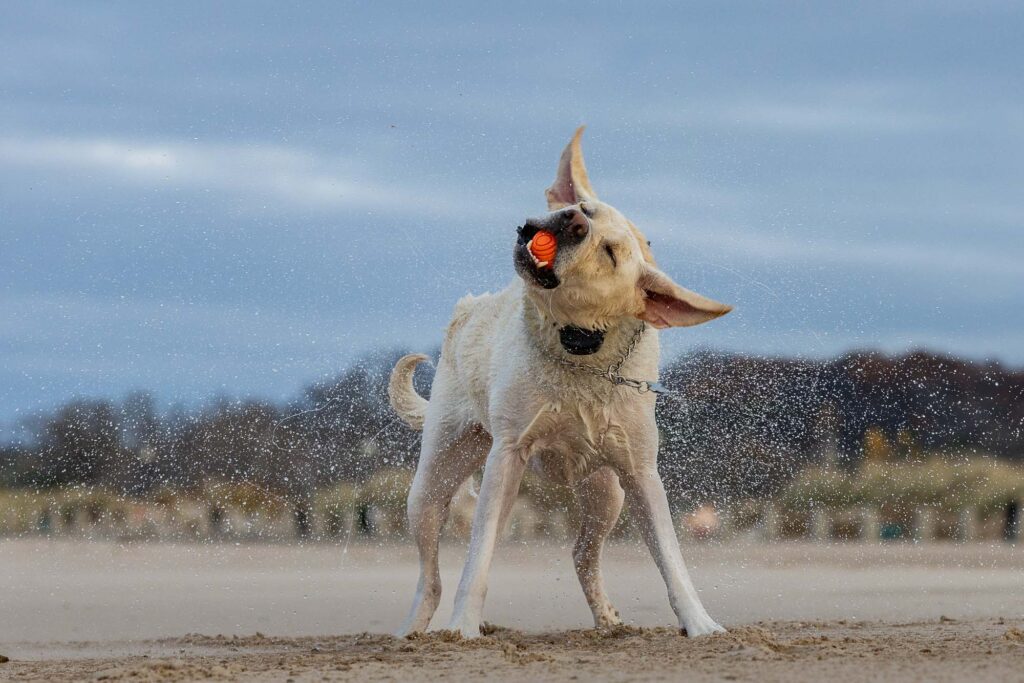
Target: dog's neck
<point>593,347</point>
<point>579,341</point>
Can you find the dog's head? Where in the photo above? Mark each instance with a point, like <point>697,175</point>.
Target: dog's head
<point>603,269</point>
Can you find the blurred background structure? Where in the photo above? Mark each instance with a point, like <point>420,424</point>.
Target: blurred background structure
<point>219,225</point>
<point>864,447</point>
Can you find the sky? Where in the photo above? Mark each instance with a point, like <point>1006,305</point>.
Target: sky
<point>234,199</point>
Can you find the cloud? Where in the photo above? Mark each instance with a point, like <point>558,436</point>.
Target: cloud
<point>833,108</point>
<point>836,108</point>
<point>57,345</point>
<point>741,241</point>
<point>296,176</point>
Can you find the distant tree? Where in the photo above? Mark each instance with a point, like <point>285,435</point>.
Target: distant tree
<point>735,426</point>
<point>348,427</point>
<point>81,445</point>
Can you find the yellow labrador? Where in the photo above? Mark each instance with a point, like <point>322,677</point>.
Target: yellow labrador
<point>556,371</point>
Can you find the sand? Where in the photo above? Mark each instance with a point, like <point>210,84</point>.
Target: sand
<point>942,650</point>
<point>100,611</point>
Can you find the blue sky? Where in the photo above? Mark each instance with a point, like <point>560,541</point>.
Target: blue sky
<point>239,198</point>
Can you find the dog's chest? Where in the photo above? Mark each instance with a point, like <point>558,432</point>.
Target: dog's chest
<point>568,442</point>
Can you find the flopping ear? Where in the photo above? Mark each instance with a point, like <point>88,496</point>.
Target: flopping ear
<point>666,304</point>
<point>572,185</point>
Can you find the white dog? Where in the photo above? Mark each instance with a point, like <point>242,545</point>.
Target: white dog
<point>557,370</point>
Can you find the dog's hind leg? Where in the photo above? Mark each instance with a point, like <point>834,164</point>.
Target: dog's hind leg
<point>599,497</point>
<point>448,457</point>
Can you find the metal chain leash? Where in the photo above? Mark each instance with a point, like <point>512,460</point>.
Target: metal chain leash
<point>612,373</point>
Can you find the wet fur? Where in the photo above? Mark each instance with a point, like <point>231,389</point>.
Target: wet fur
<point>501,401</point>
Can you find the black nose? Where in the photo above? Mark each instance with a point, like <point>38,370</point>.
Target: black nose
<point>573,223</point>
<point>568,225</point>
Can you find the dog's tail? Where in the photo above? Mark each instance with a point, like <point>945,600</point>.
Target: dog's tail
<point>409,405</point>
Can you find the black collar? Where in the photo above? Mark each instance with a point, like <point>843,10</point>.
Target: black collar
<point>580,342</point>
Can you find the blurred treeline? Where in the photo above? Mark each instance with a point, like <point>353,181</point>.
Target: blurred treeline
<point>341,430</point>
<point>737,426</point>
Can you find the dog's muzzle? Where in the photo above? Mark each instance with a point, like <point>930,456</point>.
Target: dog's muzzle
<point>570,226</point>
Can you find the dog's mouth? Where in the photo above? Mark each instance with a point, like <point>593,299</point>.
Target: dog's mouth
<point>527,264</point>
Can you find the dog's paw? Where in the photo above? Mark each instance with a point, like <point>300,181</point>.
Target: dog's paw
<point>469,632</point>
<point>606,617</point>
<point>414,624</point>
<point>701,625</point>
<point>465,629</point>
<point>405,632</point>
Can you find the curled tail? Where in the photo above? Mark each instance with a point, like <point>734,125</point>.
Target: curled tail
<point>409,405</point>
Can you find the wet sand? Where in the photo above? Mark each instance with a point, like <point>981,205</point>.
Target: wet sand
<point>74,610</point>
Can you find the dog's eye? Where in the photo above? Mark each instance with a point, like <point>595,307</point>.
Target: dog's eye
<point>648,243</point>
<point>611,254</point>
<point>588,211</point>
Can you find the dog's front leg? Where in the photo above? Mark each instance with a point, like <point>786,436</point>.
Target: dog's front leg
<point>647,500</point>
<point>502,476</point>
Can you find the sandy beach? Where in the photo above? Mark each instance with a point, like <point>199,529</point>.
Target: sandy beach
<point>75,610</point>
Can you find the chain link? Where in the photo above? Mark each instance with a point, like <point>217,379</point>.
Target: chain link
<point>612,373</point>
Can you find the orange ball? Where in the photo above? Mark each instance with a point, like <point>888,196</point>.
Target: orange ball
<point>544,247</point>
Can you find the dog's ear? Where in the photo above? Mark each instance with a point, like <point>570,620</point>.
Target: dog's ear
<point>572,184</point>
<point>666,304</point>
